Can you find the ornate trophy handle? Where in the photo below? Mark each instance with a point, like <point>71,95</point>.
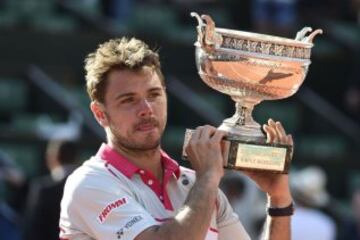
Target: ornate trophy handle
<point>207,36</point>
<point>301,35</point>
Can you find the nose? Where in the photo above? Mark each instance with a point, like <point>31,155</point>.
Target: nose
<point>145,108</point>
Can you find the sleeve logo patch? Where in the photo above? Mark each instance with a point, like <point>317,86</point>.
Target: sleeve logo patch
<point>128,225</point>
<point>107,210</point>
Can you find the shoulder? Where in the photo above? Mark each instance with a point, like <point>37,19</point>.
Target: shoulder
<point>93,177</point>
<point>90,188</point>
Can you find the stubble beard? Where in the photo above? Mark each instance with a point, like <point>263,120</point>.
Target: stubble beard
<point>148,144</point>
<point>130,144</point>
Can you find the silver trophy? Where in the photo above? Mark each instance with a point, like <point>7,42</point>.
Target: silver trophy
<point>251,67</point>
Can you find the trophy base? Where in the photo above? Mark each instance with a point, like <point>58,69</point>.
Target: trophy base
<point>251,154</point>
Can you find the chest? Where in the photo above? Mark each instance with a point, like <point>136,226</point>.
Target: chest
<point>163,201</point>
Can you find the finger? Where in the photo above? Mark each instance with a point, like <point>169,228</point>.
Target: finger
<point>272,125</point>
<point>280,132</point>
<point>197,133</point>
<point>218,135</point>
<point>271,122</point>
<point>223,145</point>
<point>270,134</point>
<point>289,140</point>
<point>207,132</point>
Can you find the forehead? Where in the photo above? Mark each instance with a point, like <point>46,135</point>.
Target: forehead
<point>128,81</point>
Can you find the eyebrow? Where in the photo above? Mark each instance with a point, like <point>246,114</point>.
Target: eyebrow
<point>124,95</point>
<point>130,94</point>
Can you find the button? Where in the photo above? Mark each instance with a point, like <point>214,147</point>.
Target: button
<point>142,171</point>
<point>161,198</point>
<point>185,182</point>
<point>150,182</point>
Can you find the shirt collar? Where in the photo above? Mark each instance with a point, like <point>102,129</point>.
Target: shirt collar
<point>122,164</point>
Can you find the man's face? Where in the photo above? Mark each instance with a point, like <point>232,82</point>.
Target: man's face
<point>135,109</point>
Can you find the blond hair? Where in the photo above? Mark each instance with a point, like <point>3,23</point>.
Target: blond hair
<point>121,53</point>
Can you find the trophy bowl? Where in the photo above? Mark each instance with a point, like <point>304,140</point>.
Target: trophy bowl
<point>250,67</point>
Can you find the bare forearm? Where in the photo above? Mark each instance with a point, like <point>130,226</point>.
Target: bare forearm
<point>193,220</point>
<point>278,228</point>
<point>195,217</point>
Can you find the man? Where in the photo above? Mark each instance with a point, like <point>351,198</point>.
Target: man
<point>131,189</point>
<point>43,202</point>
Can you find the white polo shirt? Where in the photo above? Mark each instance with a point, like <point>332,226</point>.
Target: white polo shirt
<point>110,198</point>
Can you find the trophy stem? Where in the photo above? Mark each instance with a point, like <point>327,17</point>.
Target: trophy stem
<point>241,125</point>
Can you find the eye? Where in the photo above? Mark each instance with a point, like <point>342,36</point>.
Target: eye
<point>154,94</point>
<point>127,100</point>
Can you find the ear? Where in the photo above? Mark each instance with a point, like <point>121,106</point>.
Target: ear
<point>98,110</point>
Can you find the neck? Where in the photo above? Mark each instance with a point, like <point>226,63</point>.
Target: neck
<point>149,160</point>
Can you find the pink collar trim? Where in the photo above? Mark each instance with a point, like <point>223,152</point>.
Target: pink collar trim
<point>127,168</point>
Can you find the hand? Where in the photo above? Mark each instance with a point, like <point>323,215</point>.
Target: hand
<point>275,133</point>
<point>204,151</point>
<point>275,185</point>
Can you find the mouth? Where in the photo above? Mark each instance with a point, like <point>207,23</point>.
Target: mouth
<point>147,126</point>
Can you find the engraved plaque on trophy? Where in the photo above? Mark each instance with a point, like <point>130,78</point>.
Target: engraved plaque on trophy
<point>250,68</point>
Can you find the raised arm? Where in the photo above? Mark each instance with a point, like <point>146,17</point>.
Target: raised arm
<point>193,220</point>
<point>276,186</point>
